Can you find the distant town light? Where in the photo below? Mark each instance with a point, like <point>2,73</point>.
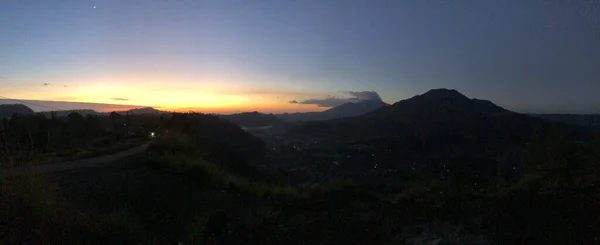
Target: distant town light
<point>152,134</point>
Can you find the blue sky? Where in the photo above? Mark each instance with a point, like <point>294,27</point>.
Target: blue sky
<point>529,56</point>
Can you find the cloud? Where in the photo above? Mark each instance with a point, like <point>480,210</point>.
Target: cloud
<point>365,95</point>
<point>47,84</point>
<point>356,96</point>
<point>119,99</point>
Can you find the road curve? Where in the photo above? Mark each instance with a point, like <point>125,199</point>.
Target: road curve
<point>77,164</point>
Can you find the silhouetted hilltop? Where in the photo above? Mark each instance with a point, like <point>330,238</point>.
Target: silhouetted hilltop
<point>437,105</point>
<point>222,141</point>
<point>349,109</point>
<point>6,111</point>
<point>440,121</point>
<point>146,110</point>
<point>85,112</point>
<point>353,109</point>
<point>65,113</point>
<point>252,119</point>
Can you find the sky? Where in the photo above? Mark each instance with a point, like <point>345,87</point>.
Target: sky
<point>300,55</point>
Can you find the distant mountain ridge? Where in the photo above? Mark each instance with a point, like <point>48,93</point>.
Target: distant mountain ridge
<point>7,110</point>
<point>441,121</point>
<point>252,119</point>
<point>145,110</point>
<point>349,109</point>
<point>65,113</point>
<point>85,112</point>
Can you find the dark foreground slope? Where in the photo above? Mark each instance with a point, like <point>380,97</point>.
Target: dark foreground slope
<point>166,196</point>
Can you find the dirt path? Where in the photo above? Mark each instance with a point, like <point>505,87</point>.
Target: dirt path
<point>78,164</point>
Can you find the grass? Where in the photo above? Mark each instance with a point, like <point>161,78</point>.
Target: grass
<point>91,152</point>
<point>210,173</point>
<point>415,190</point>
<point>343,211</point>
<point>177,154</point>
<point>34,212</point>
<point>196,232</point>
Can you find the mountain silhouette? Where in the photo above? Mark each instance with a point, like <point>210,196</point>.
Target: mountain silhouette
<point>65,113</point>
<point>146,110</point>
<point>438,105</point>
<point>252,119</point>
<point>349,109</point>
<point>6,111</point>
<point>440,121</point>
<point>85,112</point>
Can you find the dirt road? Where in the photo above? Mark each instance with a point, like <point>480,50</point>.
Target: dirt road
<point>78,164</point>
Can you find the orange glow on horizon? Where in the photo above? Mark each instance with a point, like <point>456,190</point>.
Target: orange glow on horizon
<point>228,110</point>
<point>183,95</point>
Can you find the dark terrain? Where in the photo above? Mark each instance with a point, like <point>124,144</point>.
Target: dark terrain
<point>439,168</point>
<point>585,120</point>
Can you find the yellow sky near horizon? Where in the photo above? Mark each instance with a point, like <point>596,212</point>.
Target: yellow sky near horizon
<point>171,96</point>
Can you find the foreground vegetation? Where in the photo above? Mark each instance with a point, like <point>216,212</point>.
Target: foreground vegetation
<point>36,139</point>
<point>33,211</point>
<point>204,164</point>
<point>221,176</point>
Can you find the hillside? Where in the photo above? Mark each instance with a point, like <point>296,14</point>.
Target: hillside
<point>585,120</point>
<point>6,111</point>
<point>222,140</point>
<point>441,124</point>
